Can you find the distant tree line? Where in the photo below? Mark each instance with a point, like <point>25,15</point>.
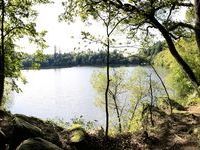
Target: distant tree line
<point>88,58</point>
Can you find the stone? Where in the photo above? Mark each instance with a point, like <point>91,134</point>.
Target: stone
<point>23,126</point>
<point>77,135</point>
<point>2,140</point>
<point>2,136</point>
<point>37,144</point>
<point>23,130</point>
<point>49,130</point>
<point>78,138</point>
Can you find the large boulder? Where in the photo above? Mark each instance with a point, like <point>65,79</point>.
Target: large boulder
<point>27,128</point>
<point>2,140</point>
<point>23,130</point>
<point>50,130</point>
<point>2,137</point>
<point>37,144</point>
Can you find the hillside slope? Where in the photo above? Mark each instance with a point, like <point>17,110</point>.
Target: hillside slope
<point>178,131</point>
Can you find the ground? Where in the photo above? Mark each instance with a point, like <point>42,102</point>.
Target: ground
<point>181,131</point>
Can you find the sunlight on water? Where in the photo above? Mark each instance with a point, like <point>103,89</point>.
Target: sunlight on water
<point>58,93</point>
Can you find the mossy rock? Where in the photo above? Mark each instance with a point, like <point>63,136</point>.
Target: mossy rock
<point>37,144</point>
<point>23,126</point>
<point>49,130</point>
<point>79,139</point>
<point>76,134</point>
<point>23,130</point>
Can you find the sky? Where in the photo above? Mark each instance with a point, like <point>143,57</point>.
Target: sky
<point>58,33</point>
<point>65,37</point>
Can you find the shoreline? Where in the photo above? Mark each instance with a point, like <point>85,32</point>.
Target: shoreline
<point>98,66</point>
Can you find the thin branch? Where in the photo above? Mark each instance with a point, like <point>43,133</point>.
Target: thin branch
<point>174,37</point>
<point>163,84</point>
<point>116,25</point>
<point>104,21</point>
<point>117,13</point>
<point>147,30</point>
<point>12,29</point>
<point>181,24</point>
<point>170,12</point>
<point>122,109</point>
<point>185,4</point>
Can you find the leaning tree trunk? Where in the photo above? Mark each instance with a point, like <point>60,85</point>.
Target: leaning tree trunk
<point>197,23</point>
<point>2,52</point>
<point>186,68</point>
<point>117,110</point>
<point>165,88</point>
<point>152,99</point>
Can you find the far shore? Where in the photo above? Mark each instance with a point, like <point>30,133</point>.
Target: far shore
<point>100,66</point>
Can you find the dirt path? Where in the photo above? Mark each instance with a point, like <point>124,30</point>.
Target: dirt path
<point>180,131</point>
<point>194,110</point>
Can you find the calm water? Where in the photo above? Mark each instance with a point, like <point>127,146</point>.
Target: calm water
<point>58,93</point>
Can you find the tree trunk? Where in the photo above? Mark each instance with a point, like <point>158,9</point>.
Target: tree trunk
<point>1,80</point>
<point>165,88</point>
<point>134,110</point>
<point>108,83</point>
<point>117,111</point>
<point>186,68</point>
<point>197,23</point>
<point>151,104</point>
<point>2,52</point>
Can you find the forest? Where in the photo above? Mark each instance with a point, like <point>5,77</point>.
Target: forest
<point>88,58</point>
<point>148,99</point>
<point>80,59</point>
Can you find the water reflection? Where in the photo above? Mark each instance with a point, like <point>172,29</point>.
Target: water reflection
<point>59,93</point>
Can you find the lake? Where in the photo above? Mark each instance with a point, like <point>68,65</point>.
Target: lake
<point>59,94</point>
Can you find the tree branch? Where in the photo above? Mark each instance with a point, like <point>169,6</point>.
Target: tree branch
<point>116,25</point>
<point>185,4</point>
<point>170,12</point>
<point>181,24</point>
<point>14,28</point>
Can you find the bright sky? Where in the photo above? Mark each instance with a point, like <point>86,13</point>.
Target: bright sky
<point>60,34</point>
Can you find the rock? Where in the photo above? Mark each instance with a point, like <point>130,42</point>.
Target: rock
<point>2,140</point>
<point>49,130</point>
<point>52,136</point>
<point>4,113</point>
<point>27,128</point>
<point>77,135</point>
<point>37,144</point>
<point>78,138</point>
<point>23,130</point>
<point>2,136</point>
